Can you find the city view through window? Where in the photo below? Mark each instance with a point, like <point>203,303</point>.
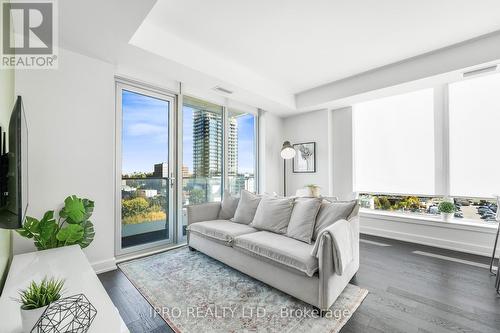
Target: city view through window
<point>145,155</point>
<point>144,188</point>
<point>465,208</point>
<point>203,152</point>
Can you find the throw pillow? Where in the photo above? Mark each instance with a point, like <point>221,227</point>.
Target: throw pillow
<point>247,206</point>
<point>301,226</point>
<point>331,212</point>
<point>228,206</point>
<point>273,214</point>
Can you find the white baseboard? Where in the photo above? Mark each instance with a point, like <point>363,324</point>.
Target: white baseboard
<point>104,265</point>
<point>428,240</point>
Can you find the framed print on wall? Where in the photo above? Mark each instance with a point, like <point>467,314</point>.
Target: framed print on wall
<point>305,157</point>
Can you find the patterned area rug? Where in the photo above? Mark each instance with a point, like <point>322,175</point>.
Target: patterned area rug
<point>195,293</point>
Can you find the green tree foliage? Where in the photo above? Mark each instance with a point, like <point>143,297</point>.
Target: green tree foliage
<point>196,196</point>
<point>135,206</point>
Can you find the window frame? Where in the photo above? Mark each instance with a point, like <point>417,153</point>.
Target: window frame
<point>134,86</point>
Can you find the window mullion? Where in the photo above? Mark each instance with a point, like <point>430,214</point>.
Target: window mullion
<point>441,141</point>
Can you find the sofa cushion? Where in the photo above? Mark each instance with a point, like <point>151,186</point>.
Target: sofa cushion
<point>228,206</point>
<point>331,212</point>
<point>273,214</point>
<point>221,230</point>
<point>279,249</point>
<point>247,206</point>
<point>301,226</point>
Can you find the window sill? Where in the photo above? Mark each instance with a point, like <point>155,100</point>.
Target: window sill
<point>455,223</point>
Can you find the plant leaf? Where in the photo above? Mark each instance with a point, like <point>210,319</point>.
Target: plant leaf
<point>88,234</point>
<point>30,228</point>
<point>71,234</point>
<point>73,210</point>
<point>89,208</point>
<point>48,231</point>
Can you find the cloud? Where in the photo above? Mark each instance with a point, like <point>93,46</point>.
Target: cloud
<point>143,129</point>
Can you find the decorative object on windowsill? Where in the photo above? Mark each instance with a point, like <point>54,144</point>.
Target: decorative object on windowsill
<point>287,152</point>
<point>447,210</point>
<point>36,298</point>
<point>72,227</point>
<point>70,314</point>
<point>305,157</point>
<point>313,190</point>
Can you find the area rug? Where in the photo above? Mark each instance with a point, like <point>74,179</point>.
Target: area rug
<point>194,293</point>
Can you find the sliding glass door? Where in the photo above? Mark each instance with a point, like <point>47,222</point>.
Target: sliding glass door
<point>146,174</point>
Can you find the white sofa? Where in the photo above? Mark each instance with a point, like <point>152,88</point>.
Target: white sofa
<point>275,259</point>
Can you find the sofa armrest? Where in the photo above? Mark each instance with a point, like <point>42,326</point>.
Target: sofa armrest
<point>330,286</point>
<point>203,212</point>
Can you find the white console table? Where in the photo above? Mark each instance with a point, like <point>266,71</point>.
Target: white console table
<point>70,264</point>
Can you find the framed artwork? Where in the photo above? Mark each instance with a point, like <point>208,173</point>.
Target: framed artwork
<point>305,157</point>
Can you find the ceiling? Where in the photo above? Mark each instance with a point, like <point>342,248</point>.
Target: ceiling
<point>269,51</point>
<point>302,44</point>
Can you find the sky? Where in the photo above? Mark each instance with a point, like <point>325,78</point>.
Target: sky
<point>145,135</point>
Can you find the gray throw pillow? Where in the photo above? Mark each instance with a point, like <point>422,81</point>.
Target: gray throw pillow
<point>247,206</point>
<point>228,206</point>
<point>301,226</point>
<point>331,212</point>
<point>273,214</point>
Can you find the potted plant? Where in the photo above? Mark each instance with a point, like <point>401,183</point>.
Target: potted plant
<point>313,190</point>
<point>447,209</point>
<point>72,226</point>
<point>35,299</point>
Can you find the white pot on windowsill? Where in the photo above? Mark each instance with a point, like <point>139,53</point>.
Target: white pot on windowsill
<point>447,217</point>
<point>30,317</point>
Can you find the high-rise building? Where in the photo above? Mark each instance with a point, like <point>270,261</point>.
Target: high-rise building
<point>232,153</point>
<point>208,144</point>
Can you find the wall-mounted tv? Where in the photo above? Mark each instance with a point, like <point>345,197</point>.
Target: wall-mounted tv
<point>14,170</point>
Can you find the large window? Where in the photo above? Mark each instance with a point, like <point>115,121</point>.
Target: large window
<point>241,151</point>
<point>394,144</point>
<point>474,136</point>
<point>413,151</point>
<point>202,152</point>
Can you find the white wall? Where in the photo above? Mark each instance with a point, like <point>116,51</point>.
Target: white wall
<point>70,114</point>
<point>309,127</point>
<point>341,132</point>
<point>270,162</point>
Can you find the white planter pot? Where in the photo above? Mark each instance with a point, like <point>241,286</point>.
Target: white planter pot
<point>447,216</point>
<point>30,317</point>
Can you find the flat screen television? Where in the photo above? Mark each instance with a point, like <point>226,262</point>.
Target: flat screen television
<point>14,170</point>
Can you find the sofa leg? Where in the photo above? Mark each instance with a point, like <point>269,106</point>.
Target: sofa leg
<point>191,248</point>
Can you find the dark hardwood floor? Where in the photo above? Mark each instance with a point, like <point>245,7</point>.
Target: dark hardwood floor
<point>408,293</point>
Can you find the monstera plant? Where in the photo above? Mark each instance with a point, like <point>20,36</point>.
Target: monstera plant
<point>71,227</point>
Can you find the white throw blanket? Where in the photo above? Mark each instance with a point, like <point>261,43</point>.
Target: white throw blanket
<point>341,235</point>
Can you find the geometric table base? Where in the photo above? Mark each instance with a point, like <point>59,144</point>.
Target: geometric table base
<point>71,314</point>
